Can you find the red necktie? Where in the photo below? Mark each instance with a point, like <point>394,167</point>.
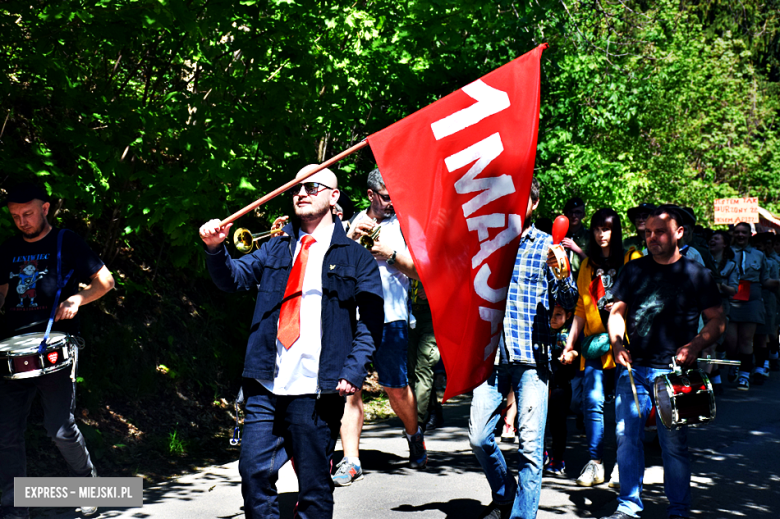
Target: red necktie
<point>290,315</point>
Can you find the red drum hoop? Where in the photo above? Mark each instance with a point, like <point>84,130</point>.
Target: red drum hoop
<point>684,398</point>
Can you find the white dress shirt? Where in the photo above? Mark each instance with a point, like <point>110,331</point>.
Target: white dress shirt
<point>297,368</point>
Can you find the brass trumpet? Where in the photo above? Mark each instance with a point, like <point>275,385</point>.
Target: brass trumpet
<point>245,241</point>
<point>367,240</point>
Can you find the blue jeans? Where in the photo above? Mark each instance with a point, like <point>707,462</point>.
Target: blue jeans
<point>530,387</point>
<point>593,406</point>
<point>58,397</point>
<point>277,428</point>
<point>630,454</point>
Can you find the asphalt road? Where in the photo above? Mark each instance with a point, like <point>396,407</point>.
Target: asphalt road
<point>736,473</point>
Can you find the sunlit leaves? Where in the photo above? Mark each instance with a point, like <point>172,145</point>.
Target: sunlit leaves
<point>195,108</point>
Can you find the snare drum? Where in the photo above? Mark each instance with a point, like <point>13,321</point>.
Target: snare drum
<point>684,398</point>
<point>19,357</point>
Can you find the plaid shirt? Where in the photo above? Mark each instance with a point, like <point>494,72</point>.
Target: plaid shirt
<point>527,333</point>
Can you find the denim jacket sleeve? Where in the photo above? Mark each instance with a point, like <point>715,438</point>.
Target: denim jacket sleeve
<point>233,275</point>
<point>371,316</point>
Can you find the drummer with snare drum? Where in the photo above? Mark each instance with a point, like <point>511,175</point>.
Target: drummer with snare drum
<point>40,272</point>
<point>658,302</point>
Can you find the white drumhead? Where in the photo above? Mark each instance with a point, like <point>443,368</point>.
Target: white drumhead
<point>31,342</point>
<point>663,401</point>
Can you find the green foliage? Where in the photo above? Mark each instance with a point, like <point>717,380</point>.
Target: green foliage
<point>149,117</point>
<point>175,444</point>
<point>155,116</point>
<point>678,113</point>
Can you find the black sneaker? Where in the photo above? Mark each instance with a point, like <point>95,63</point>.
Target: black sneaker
<point>418,454</point>
<point>435,421</point>
<point>496,511</point>
<point>619,515</point>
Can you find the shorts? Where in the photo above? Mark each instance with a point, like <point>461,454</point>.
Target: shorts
<point>751,311</point>
<point>390,359</point>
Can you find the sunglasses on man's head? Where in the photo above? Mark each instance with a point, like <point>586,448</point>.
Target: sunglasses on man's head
<point>312,188</point>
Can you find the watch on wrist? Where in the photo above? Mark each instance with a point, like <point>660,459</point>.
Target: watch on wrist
<point>391,259</point>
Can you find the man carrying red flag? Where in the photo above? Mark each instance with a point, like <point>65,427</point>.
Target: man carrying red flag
<point>522,367</point>
<point>307,347</point>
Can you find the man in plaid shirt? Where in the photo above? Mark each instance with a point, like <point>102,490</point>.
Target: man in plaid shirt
<point>522,366</point>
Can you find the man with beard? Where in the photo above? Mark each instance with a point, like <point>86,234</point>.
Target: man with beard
<point>658,300</point>
<point>317,320</point>
<point>395,267</point>
<point>29,262</point>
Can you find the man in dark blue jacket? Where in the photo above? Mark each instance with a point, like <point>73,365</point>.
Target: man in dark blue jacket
<point>318,317</point>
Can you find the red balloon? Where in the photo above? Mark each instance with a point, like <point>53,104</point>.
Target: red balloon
<point>560,228</point>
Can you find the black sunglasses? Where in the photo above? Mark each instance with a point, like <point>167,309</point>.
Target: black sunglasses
<point>385,198</point>
<point>312,188</point>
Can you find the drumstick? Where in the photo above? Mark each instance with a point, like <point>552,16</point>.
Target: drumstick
<point>633,389</point>
<point>36,323</point>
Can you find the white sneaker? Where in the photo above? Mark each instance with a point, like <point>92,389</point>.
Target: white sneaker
<point>614,479</point>
<point>88,510</point>
<point>592,474</point>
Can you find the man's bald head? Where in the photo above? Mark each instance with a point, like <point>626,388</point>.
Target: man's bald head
<point>324,176</point>
<point>313,208</point>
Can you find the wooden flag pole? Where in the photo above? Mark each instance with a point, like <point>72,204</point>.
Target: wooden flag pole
<point>276,192</point>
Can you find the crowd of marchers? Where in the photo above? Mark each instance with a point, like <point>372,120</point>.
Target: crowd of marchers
<point>626,313</point>
<point>338,295</point>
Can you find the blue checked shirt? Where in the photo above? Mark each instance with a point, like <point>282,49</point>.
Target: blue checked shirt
<point>527,335</point>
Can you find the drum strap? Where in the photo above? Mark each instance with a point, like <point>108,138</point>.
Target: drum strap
<point>61,283</point>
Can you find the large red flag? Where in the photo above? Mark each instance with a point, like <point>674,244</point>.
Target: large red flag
<point>459,172</point>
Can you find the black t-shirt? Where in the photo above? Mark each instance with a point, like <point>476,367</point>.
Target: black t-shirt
<point>30,270</point>
<point>664,304</point>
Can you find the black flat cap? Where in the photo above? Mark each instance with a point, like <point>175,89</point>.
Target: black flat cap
<point>644,207</point>
<point>573,203</point>
<point>689,216</point>
<point>23,193</point>
<point>678,214</point>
